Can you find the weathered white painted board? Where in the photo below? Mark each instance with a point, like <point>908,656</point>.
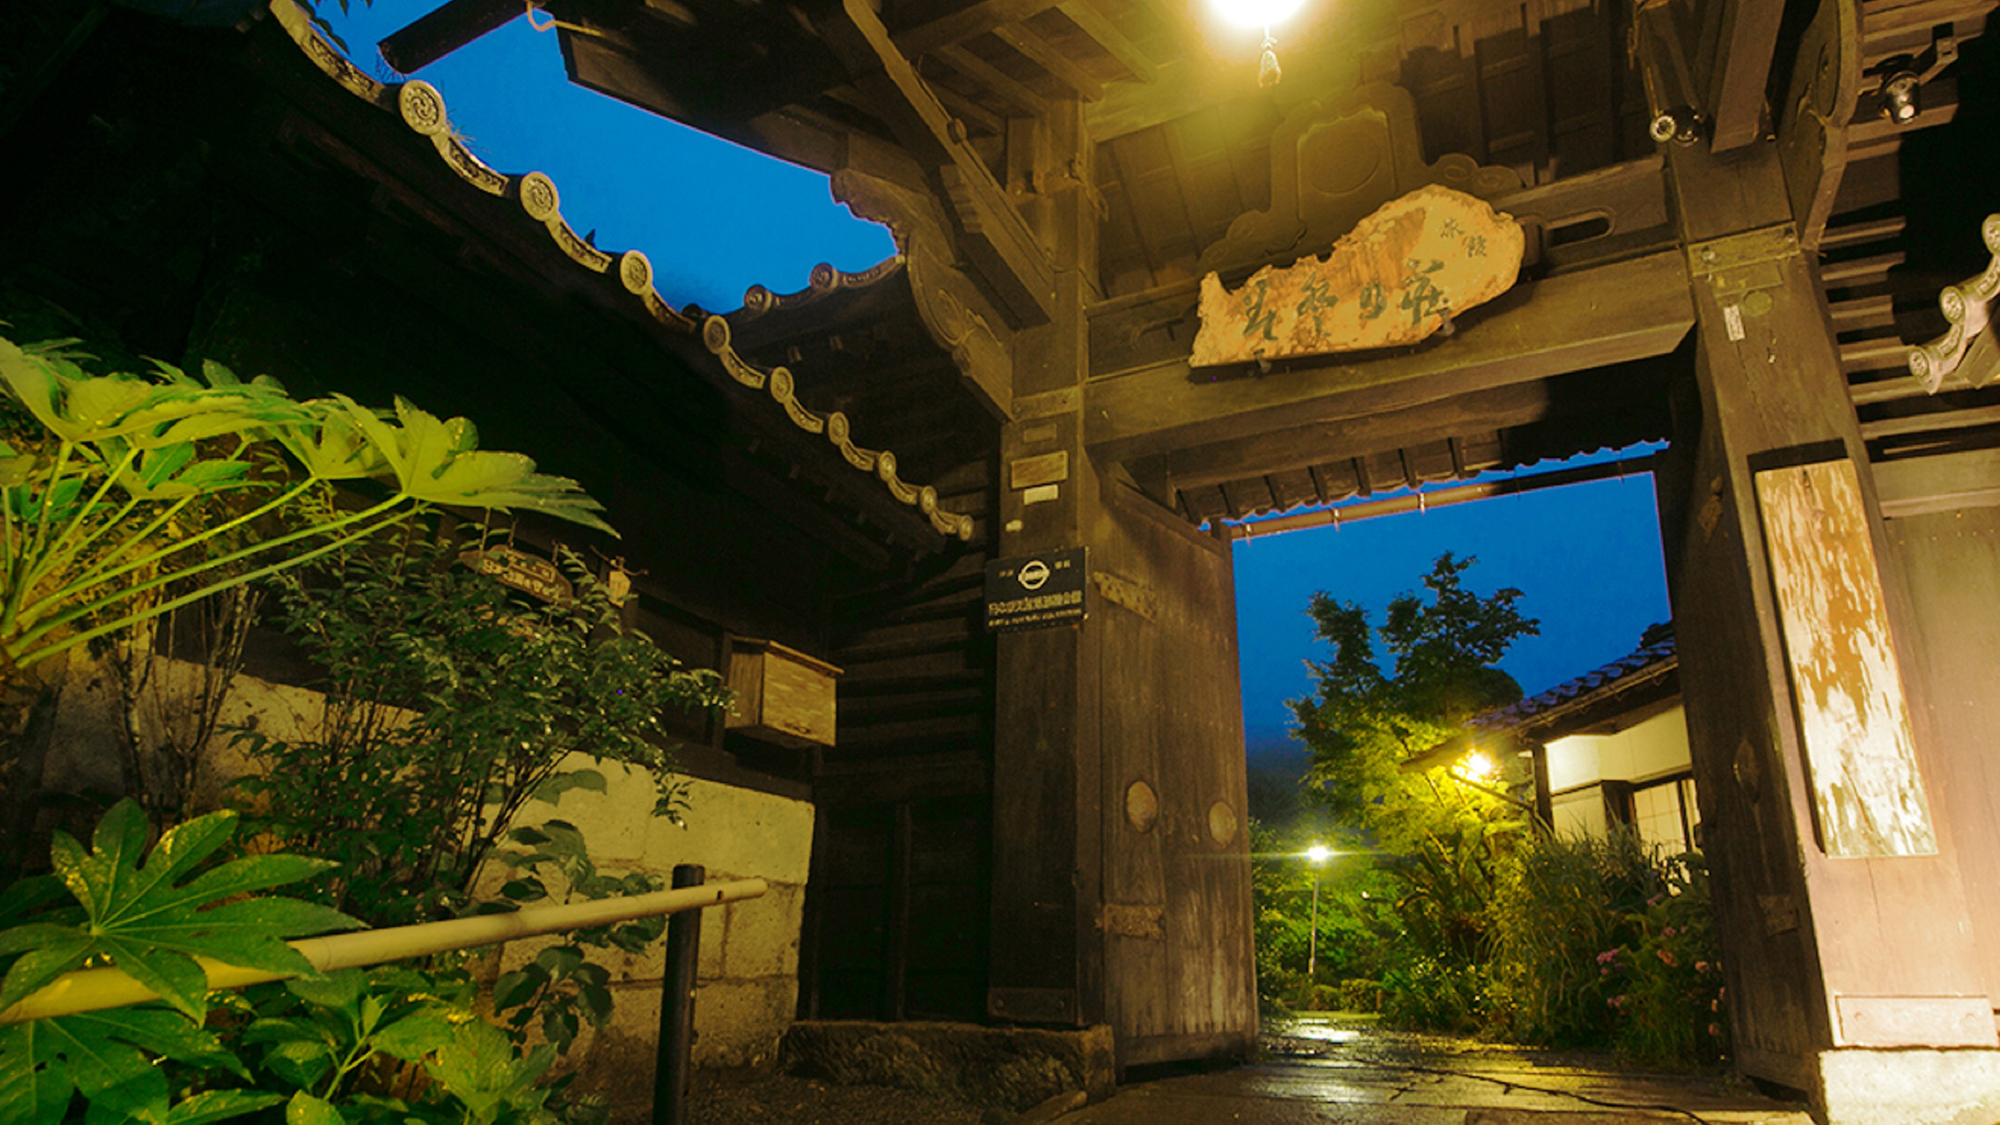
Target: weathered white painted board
<point>1866,789</point>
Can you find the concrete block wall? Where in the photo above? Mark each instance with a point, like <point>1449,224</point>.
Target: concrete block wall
<point>747,990</point>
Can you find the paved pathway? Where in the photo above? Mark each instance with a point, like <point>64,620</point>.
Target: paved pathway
<point>1337,1070</point>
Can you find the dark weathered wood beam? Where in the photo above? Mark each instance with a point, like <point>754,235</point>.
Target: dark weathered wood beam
<point>969,111</point>
<point>1497,408</point>
<point>1610,314</point>
<point>999,81</point>
<point>432,37</point>
<point>1092,23</point>
<point>966,23</point>
<point>993,236</point>
<point>1044,54</point>
<point>1745,49</point>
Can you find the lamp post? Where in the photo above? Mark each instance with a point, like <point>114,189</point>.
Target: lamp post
<point>1317,854</point>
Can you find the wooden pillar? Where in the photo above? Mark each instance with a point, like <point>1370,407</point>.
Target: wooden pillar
<point>1850,966</point>
<point>1045,964</point>
<point>1121,859</point>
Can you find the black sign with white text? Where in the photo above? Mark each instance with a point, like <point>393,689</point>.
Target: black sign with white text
<point>1036,591</point>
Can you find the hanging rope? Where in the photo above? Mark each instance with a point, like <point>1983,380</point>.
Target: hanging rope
<point>556,23</point>
<point>1268,72</point>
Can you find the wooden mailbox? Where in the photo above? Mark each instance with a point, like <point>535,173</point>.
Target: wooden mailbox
<point>782,695</point>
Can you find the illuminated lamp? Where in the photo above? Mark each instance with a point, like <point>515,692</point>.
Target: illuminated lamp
<point>1264,14</point>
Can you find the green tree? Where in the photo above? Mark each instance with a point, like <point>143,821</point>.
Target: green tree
<point>1440,828</point>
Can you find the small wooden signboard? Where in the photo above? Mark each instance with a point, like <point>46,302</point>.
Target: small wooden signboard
<point>521,571</point>
<point>1036,591</point>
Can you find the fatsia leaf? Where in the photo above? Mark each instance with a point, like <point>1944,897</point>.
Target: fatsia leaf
<point>105,1055</point>
<point>138,918</point>
<point>330,446</point>
<point>30,894</point>
<point>35,1086</point>
<point>437,462</point>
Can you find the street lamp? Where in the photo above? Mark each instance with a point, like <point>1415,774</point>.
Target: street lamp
<point>1479,767</point>
<point>1317,854</point>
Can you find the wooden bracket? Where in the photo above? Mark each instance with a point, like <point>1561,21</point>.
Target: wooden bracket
<point>993,236</point>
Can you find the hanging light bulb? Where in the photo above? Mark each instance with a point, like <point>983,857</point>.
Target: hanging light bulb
<point>1264,14</point>
<point>1258,13</point>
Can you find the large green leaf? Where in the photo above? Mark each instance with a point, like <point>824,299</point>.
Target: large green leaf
<point>439,462</point>
<point>148,921</point>
<point>329,446</point>
<point>108,1056</point>
<point>78,407</point>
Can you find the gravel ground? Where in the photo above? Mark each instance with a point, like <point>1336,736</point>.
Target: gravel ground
<point>757,1096</point>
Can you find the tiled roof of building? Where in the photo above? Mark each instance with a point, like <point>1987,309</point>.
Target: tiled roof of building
<point>1654,657</point>
<point>422,108</point>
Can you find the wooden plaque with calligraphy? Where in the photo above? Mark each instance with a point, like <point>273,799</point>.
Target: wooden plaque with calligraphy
<point>1392,281</point>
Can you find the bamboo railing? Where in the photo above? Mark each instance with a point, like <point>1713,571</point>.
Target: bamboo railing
<point>89,990</point>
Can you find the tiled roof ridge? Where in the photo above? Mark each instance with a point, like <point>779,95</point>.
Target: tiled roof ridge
<point>421,107</point>
<point>824,282</point>
<point>1932,362</point>
<point>1642,665</point>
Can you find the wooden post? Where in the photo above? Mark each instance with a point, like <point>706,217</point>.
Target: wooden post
<point>1120,861</point>
<point>445,30</point>
<point>1545,803</point>
<point>670,1070</point>
<point>1820,944</point>
<point>1044,952</point>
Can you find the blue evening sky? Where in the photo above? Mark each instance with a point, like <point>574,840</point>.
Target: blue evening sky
<point>1586,558</point>
<point>716,218</point>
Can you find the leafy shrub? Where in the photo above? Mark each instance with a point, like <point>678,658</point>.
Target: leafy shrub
<point>1359,995</point>
<point>1604,942</point>
<point>1425,992</point>
<point>1562,902</point>
<point>1670,1002</point>
<point>451,704</point>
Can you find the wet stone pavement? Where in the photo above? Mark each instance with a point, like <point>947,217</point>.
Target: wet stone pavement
<point>1321,1070</point>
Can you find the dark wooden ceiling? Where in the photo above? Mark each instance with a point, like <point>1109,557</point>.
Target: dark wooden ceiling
<point>1548,91</point>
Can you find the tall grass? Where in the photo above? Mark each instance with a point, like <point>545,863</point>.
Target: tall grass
<point>1562,904</point>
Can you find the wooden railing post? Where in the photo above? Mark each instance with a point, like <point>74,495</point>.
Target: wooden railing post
<point>670,1073</point>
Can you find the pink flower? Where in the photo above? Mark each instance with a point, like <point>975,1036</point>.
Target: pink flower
<point>1715,1030</point>
<point>1668,932</point>
<point>1607,957</point>
<point>1667,955</point>
<point>1701,966</point>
